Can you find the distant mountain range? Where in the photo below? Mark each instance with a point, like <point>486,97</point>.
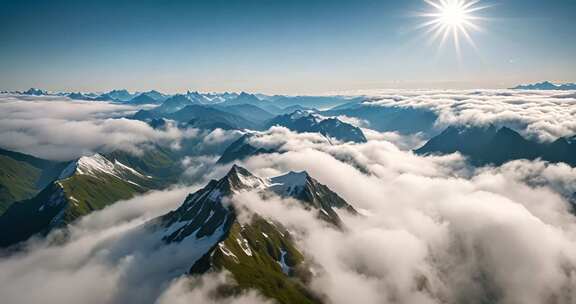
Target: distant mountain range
<point>491,145</point>
<point>273,104</point>
<point>546,85</point>
<point>404,120</point>
<point>245,112</point>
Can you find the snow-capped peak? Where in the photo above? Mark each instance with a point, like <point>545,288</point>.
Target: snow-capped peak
<point>301,113</point>
<point>291,178</point>
<point>289,183</point>
<point>241,179</point>
<point>95,165</point>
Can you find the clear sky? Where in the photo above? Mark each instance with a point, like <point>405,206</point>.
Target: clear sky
<point>299,46</point>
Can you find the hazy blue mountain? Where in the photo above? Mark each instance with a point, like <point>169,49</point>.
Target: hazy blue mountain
<point>35,92</point>
<point>197,97</point>
<point>251,99</point>
<point>89,96</point>
<point>215,98</point>
<point>205,117</point>
<point>156,95</point>
<point>546,85</point>
<point>385,119</point>
<point>301,121</point>
<point>175,104</point>
<point>354,104</point>
<point>143,99</point>
<point>198,116</point>
<point>157,123</point>
<point>316,102</point>
<point>120,95</point>
<point>488,145</point>
<point>150,97</point>
<point>247,111</point>
<point>259,254</point>
<point>294,108</point>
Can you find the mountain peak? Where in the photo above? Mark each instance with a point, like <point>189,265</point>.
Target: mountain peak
<point>97,164</point>
<point>546,85</point>
<point>236,170</point>
<point>508,132</point>
<point>119,91</point>
<point>308,121</point>
<point>34,91</point>
<point>238,178</point>
<point>291,179</point>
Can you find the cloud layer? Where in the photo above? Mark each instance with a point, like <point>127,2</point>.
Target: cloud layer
<point>61,129</point>
<point>432,230</point>
<point>545,115</point>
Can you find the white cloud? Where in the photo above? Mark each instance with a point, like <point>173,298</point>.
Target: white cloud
<point>436,232</point>
<point>545,115</point>
<point>62,129</point>
<point>219,136</point>
<point>433,231</point>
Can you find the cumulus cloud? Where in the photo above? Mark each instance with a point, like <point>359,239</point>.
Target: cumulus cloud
<point>61,129</point>
<point>219,136</point>
<point>545,115</point>
<point>403,142</point>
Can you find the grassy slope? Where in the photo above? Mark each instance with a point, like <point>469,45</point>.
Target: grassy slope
<point>159,162</point>
<point>92,193</point>
<point>17,181</point>
<point>261,271</point>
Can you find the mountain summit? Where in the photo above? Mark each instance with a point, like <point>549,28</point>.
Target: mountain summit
<point>259,253</point>
<point>546,85</point>
<point>306,121</point>
<point>489,145</point>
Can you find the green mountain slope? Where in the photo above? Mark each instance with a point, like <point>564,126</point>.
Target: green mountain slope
<point>23,176</point>
<point>88,184</point>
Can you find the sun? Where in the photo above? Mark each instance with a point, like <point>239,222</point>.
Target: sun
<point>452,18</point>
<point>453,14</point>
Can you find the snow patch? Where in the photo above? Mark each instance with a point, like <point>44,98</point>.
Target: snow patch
<point>98,164</point>
<point>243,243</point>
<point>290,183</point>
<point>282,262</point>
<point>227,252</point>
<point>251,181</point>
<point>215,195</point>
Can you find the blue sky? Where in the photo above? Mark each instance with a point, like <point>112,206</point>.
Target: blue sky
<point>300,46</point>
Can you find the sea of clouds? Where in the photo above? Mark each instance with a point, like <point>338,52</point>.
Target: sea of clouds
<point>432,229</point>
